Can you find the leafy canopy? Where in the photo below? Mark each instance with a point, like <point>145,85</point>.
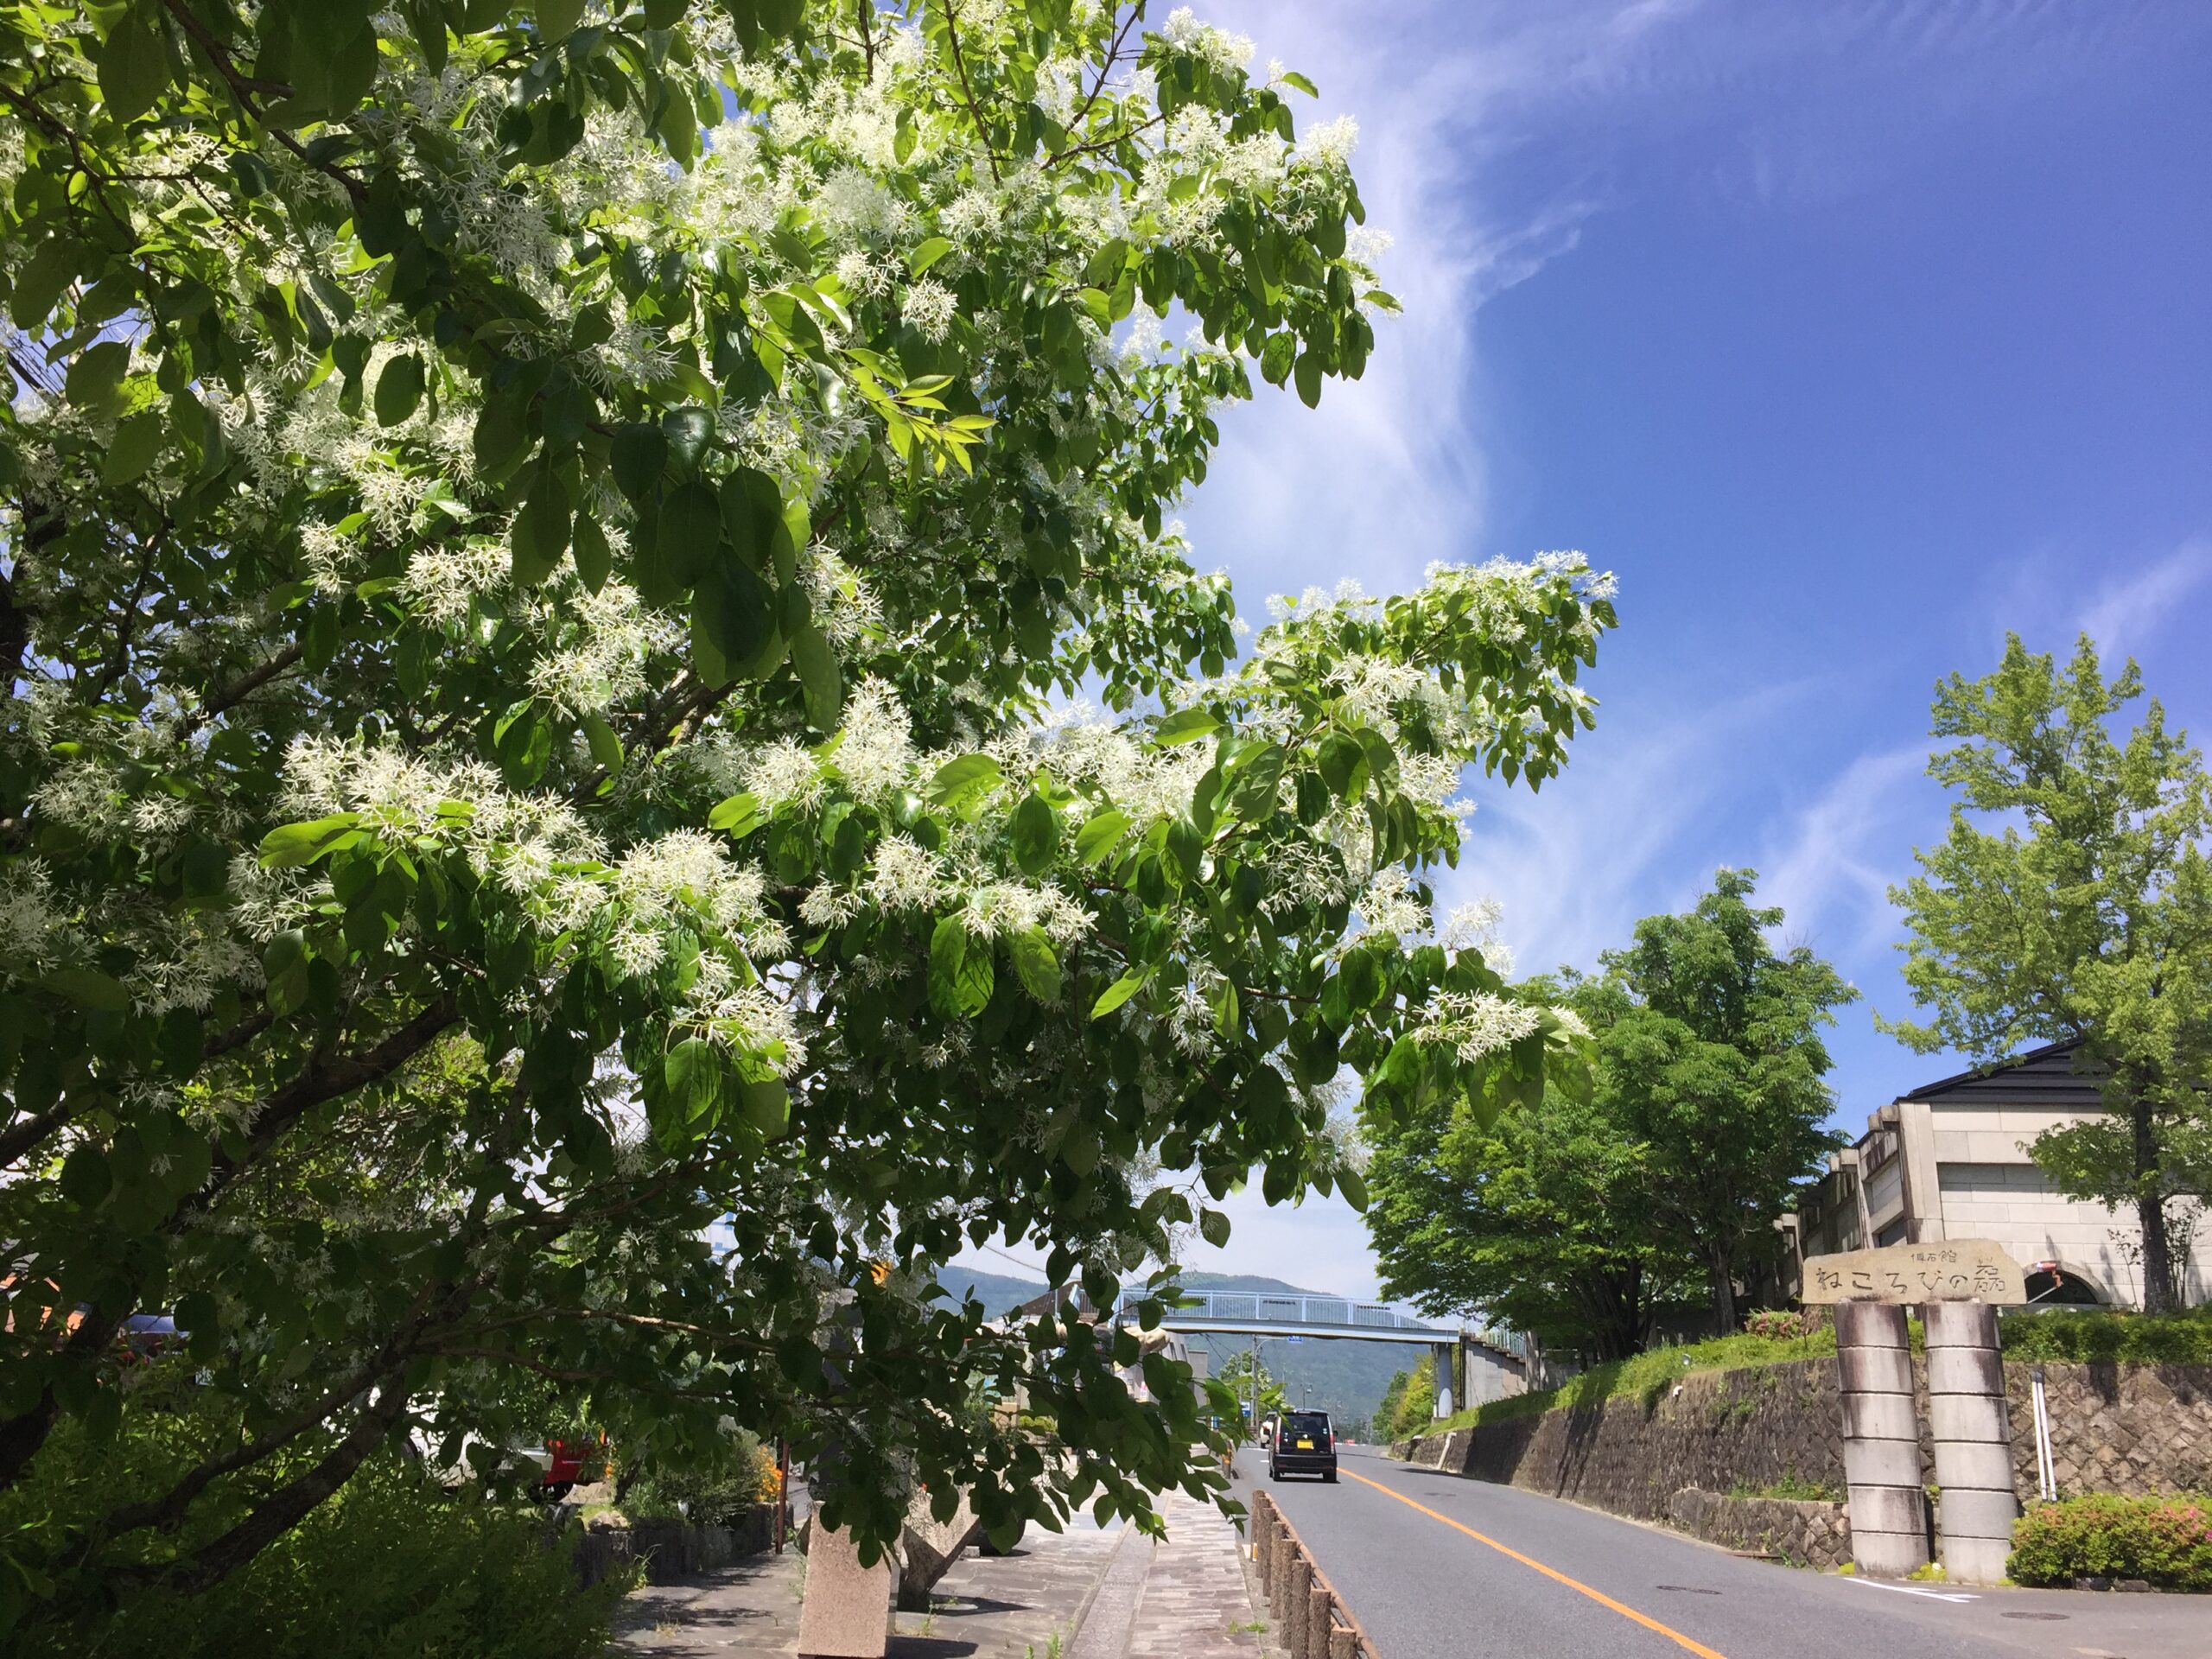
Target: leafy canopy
<point>2071,901</point>
<point>537,546</point>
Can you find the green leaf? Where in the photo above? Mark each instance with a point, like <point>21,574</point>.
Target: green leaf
<point>639,457</point>
<point>133,67</point>
<point>88,987</point>
<point>1099,837</point>
<point>293,846</point>
<point>540,535</point>
<point>767,1107</point>
<point>137,445</point>
<point>95,379</point>
<point>606,747</point>
<point>1186,726</point>
<point>690,530</point>
<point>594,559</point>
<point>1353,1185</point>
<point>399,389</point>
<point>739,816</point>
<point>557,18</point>
<point>1292,78</point>
<point>1036,963</point>
<point>960,976</point>
<point>927,254</point>
<point>1344,765</point>
<point>962,782</point>
<point>1213,1226</point>
<point>39,284</point>
<point>819,677</point>
<point>1307,375</point>
<point>1036,834</point>
<point>1120,992</point>
<point>85,1177</point>
<point>693,1073</point>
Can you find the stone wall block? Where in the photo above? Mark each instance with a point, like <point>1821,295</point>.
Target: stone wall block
<point>1879,1417</point>
<point>1966,1417</point>
<point>1962,1512</point>
<point>1875,1370</point>
<point>1983,1466</point>
<point>1881,1463</point>
<point>1964,1371</point>
<point>1901,1509</point>
<point>1868,1325</point>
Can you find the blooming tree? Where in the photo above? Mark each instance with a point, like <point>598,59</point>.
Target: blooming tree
<point>548,554</point>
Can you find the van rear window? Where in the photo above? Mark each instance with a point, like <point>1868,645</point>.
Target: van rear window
<point>1308,1425</point>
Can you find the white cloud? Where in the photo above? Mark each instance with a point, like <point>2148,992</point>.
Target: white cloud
<point>2136,606</point>
<point>1831,869</point>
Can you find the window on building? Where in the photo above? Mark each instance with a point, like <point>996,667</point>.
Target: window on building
<point>1892,1234</point>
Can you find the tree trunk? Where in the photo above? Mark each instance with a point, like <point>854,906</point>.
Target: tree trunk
<point>2150,1212</point>
<point>1723,1292</point>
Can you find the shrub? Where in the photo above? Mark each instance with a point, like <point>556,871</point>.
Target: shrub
<point>2165,1540</point>
<point>709,1494</point>
<point>1776,1324</point>
<point>2090,1334</point>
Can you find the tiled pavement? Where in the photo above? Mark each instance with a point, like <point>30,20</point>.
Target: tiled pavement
<point>1194,1597</point>
<point>1085,1594</point>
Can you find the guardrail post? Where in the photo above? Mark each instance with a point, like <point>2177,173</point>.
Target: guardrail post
<point>1319,1623</point>
<point>1299,1586</point>
<point>1343,1644</point>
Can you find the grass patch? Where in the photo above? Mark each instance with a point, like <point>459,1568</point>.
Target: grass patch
<point>1648,1376</point>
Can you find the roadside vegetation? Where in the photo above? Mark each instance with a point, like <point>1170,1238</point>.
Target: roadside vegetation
<point>2165,1541</point>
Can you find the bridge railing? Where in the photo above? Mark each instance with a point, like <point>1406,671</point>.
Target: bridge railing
<point>1228,1306</point>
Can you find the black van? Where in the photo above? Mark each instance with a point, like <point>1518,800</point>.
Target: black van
<point>1303,1445</point>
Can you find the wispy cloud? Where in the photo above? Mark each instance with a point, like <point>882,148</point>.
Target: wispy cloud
<point>2135,606</point>
<point>1833,863</point>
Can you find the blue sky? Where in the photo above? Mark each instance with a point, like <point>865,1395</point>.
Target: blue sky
<point>1850,335</point>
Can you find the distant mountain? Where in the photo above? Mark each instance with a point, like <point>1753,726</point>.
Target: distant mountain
<point>999,1292</point>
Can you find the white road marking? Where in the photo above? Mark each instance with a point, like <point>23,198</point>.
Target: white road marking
<point>1907,1590</point>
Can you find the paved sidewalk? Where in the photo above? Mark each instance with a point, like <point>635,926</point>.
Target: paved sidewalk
<point>1182,1598</point>
<point>1024,1605</point>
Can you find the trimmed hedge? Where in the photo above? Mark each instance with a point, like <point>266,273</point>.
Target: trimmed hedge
<point>2166,1541</point>
<point>2092,1334</point>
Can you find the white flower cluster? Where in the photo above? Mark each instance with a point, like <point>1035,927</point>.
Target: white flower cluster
<point>36,931</point>
<point>1215,46</point>
<point>1475,1023</point>
<point>738,1012</point>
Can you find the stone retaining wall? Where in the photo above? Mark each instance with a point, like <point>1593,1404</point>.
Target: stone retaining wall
<point>1805,1533</point>
<point>670,1549</point>
<point>2132,1429</point>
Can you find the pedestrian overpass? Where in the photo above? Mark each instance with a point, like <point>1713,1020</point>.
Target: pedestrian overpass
<point>1247,1313</point>
<point>1472,1366</point>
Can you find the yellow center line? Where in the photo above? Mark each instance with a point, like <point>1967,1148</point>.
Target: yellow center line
<point>1597,1596</point>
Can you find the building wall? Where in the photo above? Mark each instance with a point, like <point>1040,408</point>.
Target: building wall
<point>1989,1187</point>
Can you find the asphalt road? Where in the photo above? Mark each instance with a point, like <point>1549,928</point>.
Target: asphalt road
<point>1440,1567</point>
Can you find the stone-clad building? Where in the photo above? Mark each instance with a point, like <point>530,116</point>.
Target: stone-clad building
<point>1950,1160</point>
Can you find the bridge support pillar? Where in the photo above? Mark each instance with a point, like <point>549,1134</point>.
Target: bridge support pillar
<point>1443,1361</point>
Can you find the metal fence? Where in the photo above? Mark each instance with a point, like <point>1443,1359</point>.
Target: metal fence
<point>1234,1307</point>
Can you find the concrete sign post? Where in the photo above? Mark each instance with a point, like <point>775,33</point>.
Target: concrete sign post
<point>1973,1432</point>
<point>1881,1440</point>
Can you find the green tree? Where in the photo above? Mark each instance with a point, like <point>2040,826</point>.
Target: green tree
<point>1236,1374</point>
<point>1578,1217</point>
<point>535,554</point>
<point>1417,1404</point>
<point>1539,1221</point>
<point>1709,1047</point>
<point>1386,1410</point>
<point>2069,901</point>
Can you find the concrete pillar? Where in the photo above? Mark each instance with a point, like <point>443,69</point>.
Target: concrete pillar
<point>1341,1643</point>
<point>1442,1358</point>
<point>1263,1526</point>
<point>1301,1580</point>
<point>1881,1440</point>
<point>1317,1625</point>
<point>1967,1415</point>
